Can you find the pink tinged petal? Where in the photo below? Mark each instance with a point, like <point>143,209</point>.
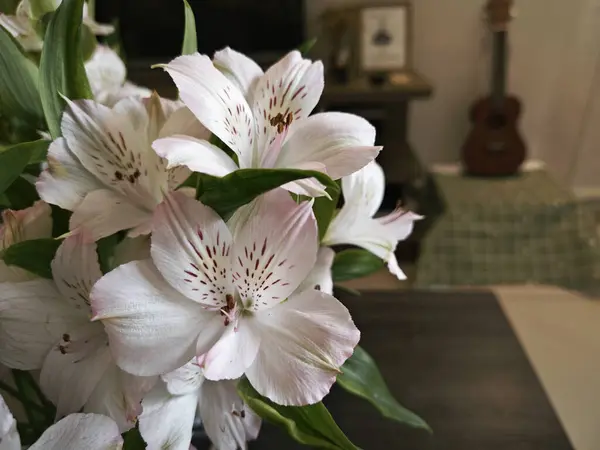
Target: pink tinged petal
<point>304,343</point>
<point>228,422</point>
<point>199,156</point>
<point>319,277</point>
<point>191,249</point>
<point>242,71</point>
<point>34,316</point>
<point>75,269</point>
<point>364,190</point>
<point>9,436</point>
<point>34,222</point>
<point>167,420</point>
<point>399,223</point>
<point>105,212</point>
<point>217,103</point>
<point>274,250</point>
<point>233,353</point>
<point>342,142</point>
<point>74,367</point>
<point>65,182</point>
<point>113,145</point>
<point>81,431</point>
<point>152,328</point>
<point>119,396</point>
<point>288,92</point>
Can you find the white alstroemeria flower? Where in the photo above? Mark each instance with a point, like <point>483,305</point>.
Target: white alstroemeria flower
<point>169,412</point>
<point>81,432</point>
<point>21,25</point>
<point>45,324</point>
<point>107,75</point>
<point>264,119</point>
<point>34,222</point>
<point>228,301</point>
<point>103,168</point>
<point>355,225</point>
<point>9,436</point>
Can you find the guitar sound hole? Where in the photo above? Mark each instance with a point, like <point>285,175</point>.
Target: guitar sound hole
<point>496,121</point>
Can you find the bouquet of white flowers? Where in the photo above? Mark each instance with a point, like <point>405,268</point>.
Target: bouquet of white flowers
<point>165,260</point>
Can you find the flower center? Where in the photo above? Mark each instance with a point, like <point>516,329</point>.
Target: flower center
<point>228,309</point>
<point>282,122</point>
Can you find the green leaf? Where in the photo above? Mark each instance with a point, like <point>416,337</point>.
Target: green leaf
<point>39,8</point>
<point>39,151</point>
<point>306,46</point>
<point>133,440</point>
<point>34,255</point>
<point>190,41</point>
<point>228,193</point>
<point>18,83</point>
<point>310,425</point>
<point>354,263</point>
<point>106,251</point>
<point>13,161</point>
<point>21,194</point>
<point>324,209</point>
<point>61,66</point>
<point>360,376</point>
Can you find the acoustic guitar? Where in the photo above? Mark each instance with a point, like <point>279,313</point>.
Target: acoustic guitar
<point>494,146</point>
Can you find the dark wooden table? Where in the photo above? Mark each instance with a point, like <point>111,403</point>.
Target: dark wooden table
<point>453,359</point>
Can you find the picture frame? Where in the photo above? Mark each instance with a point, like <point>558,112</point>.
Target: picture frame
<point>384,38</point>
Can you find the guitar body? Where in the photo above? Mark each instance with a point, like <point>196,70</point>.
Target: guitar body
<point>494,146</point>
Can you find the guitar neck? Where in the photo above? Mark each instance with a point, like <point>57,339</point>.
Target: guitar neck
<point>499,68</point>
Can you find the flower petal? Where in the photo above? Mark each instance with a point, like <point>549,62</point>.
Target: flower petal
<point>304,342</point>
<point>105,70</point>
<point>227,421</point>
<point>190,248</point>
<point>74,367</point>
<point>199,156</point>
<point>34,222</point>
<point>216,102</point>
<point>183,121</point>
<point>167,420</point>
<point>81,431</point>
<point>152,329</point>
<point>113,145</point>
<point>288,91</point>
<point>75,269</point>
<point>119,395</point>
<point>229,358</point>
<point>33,317</point>
<point>364,189</point>
<point>105,212</point>
<point>342,142</point>
<point>185,380</point>
<point>9,436</point>
<point>239,69</point>
<point>65,182</point>
<point>319,277</point>
<point>274,250</point>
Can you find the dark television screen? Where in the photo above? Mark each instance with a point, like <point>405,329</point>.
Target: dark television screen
<point>153,29</point>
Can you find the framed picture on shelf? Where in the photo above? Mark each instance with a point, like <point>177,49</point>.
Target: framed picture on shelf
<point>384,38</point>
<point>370,40</point>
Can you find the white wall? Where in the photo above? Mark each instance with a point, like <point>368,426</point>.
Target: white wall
<point>554,50</point>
